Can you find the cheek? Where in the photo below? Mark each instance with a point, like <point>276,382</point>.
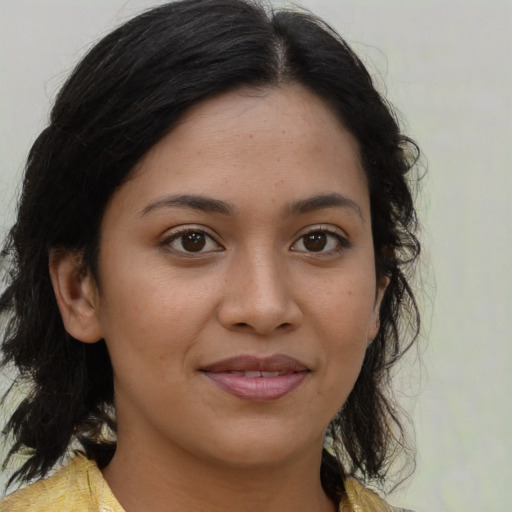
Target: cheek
<point>343,315</point>
<point>344,305</point>
<point>148,316</point>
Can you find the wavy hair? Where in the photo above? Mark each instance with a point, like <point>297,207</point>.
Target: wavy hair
<point>121,99</point>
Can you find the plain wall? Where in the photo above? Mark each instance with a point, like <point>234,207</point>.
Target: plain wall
<point>447,66</point>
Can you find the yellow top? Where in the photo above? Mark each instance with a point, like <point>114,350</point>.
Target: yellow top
<point>80,487</point>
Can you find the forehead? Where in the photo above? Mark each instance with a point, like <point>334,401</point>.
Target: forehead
<point>263,109</point>
<point>279,144</point>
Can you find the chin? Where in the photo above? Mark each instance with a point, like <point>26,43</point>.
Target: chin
<point>264,448</point>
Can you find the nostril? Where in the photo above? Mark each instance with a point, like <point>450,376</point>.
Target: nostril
<point>281,327</point>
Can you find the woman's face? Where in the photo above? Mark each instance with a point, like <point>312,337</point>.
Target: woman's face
<point>237,290</point>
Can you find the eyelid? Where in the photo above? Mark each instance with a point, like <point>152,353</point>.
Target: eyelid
<point>174,234</point>
<point>338,233</point>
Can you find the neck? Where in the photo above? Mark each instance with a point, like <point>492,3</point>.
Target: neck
<point>173,480</point>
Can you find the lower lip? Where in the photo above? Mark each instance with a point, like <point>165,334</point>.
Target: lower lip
<point>257,389</point>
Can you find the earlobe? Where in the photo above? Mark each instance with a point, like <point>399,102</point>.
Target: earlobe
<point>76,295</point>
<point>375,321</point>
<point>374,329</point>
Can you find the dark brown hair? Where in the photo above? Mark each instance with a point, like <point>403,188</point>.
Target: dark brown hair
<point>121,99</point>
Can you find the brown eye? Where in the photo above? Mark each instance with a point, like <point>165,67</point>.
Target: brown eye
<point>315,242</point>
<point>193,241</point>
<point>190,241</point>
<point>321,241</point>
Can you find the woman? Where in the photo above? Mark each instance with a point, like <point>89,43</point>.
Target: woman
<point>206,279</point>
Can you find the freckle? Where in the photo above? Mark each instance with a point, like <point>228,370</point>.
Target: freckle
<point>251,136</point>
<point>283,131</point>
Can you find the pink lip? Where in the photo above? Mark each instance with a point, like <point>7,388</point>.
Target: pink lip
<point>227,375</point>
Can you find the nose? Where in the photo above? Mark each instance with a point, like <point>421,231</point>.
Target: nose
<point>259,297</point>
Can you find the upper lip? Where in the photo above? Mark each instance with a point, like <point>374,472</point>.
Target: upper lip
<point>246,363</point>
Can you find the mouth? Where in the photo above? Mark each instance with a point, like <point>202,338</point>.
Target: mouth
<point>257,379</point>
<point>257,373</point>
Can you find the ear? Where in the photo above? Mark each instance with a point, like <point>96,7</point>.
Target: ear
<point>76,294</point>
<point>382,284</point>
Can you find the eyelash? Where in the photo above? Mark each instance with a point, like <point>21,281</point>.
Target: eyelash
<point>167,242</point>
<point>341,242</point>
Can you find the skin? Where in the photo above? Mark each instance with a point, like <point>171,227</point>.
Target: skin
<point>255,288</point>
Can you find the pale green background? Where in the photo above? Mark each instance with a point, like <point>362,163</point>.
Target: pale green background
<point>447,66</point>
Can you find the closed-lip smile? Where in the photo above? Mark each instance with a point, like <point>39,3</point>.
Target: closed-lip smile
<point>257,379</point>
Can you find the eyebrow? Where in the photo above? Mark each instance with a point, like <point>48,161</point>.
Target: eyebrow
<point>210,205</point>
<point>194,202</point>
<point>324,201</point>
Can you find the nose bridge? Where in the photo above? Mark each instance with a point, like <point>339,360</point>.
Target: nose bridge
<point>265,278</point>
<point>259,294</point>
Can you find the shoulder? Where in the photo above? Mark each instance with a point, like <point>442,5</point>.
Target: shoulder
<point>75,488</point>
<point>358,498</point>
